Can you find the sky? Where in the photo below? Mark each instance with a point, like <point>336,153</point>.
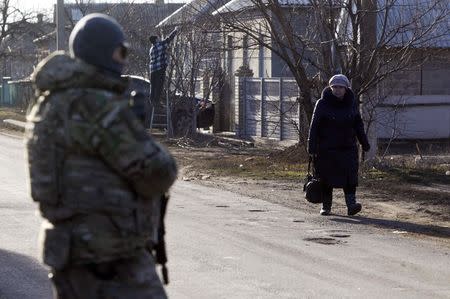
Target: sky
<point>37,5</point>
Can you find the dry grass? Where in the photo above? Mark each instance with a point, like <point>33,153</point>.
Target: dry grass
<point>12,113</point>
<point>421,184</point>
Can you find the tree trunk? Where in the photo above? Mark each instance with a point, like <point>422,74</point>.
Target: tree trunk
<point>368,41</point>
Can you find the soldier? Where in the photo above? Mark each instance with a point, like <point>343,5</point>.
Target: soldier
<point>96,174</point>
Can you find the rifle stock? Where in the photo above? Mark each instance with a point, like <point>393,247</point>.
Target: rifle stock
<point>160,248</point>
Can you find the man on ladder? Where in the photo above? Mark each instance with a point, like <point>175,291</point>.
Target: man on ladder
<point>158,65</point>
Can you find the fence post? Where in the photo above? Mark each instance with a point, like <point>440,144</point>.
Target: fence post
<point>262,107</point>
<point>244,106</point>
<point>281,108</point>
<point>300,118</point>
<point>239,109</point>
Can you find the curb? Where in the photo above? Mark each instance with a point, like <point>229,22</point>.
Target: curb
<point>15,124</point>
<point>18,123</point>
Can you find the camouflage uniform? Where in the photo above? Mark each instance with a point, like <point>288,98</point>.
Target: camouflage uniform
<point>98,178</point>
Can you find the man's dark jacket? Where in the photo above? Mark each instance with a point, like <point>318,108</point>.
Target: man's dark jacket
<point>335,126</point>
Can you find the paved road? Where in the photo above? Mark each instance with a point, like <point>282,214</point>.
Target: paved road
<point>222,245</point>
<point>21,276</point>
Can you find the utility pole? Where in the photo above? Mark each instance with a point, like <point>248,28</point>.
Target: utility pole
<point>60,26</point>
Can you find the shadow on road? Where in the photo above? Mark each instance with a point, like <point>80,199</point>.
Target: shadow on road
<point>22,277</point>
<point>429,230</point>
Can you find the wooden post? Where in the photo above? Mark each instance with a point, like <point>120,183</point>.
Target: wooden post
<point>243,98</point>
<point>300,118</point>
<point>281,108</point>
<point>262,107</point>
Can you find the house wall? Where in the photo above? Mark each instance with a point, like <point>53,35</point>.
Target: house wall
<point>301,21</point>
<point>415,102</point>
<point>246,50</point>
<point>261,60</point>
<point>429,77</point>
<point>19,53</point>
<point>414,117</point>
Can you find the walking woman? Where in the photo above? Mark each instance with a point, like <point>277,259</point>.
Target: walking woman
<point>335,126</point>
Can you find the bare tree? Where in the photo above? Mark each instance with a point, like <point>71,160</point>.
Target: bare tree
<point>10,16</point>
<point>18,28</point>
<point>195,65</point>
<point>139,21</point>
<point>368,40</point>
<point>195,60</point>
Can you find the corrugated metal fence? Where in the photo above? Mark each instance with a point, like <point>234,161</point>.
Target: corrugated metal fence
<point>267,107</point>
<point>16,93</point>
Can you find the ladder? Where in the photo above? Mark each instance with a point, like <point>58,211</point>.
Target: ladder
<point>160,118</point>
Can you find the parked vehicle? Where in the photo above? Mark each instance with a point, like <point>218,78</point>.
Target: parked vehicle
<point>180,106</point>
<point>182,113</point>
<point>139,93</point>
<point>205,113</point>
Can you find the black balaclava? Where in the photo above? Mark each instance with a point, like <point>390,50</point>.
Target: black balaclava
<point>94,39</point>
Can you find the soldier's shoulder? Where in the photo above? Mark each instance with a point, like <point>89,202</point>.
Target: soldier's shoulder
<point>102,106</point>
<point>100,96</point>
<point>99,99</point>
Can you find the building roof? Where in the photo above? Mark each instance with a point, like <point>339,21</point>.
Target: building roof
<point>191,12</point>
<point>413,23</point>
<point>238,5</point>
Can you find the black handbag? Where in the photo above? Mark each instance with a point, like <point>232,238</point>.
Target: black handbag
<point>312,186</point>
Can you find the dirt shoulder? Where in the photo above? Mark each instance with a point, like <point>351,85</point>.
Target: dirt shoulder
<point>398,198</point>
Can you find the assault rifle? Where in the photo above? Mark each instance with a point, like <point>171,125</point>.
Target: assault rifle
<point>159,250</point>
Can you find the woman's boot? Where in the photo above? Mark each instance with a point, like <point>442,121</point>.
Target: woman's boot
<point>352,206</point>
<point>327,202</point>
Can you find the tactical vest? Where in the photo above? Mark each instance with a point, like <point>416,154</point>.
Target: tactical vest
<point>93,214</point>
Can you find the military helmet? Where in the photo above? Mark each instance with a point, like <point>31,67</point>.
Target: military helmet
<point>94,39</point>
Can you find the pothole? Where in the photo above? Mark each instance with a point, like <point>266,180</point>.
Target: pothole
<point>339,235</point>
<point>323,240</point>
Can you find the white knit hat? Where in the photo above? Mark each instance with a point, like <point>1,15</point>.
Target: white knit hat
<point>340,80</point>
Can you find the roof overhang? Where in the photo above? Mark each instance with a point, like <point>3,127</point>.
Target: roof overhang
<point>191,12</point>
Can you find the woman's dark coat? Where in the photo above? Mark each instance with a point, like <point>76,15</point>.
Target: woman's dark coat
<point>335,125</point>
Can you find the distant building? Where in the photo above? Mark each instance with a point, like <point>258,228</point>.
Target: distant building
<point>18,49</point>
